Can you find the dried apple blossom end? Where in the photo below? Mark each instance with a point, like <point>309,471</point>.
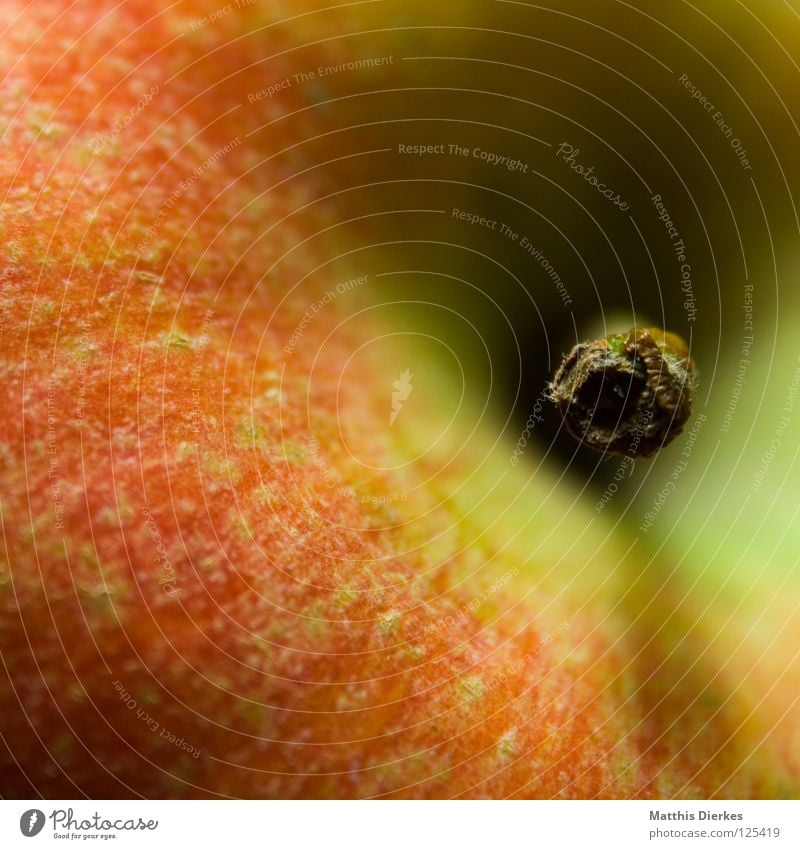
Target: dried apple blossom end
<point>629,393</point>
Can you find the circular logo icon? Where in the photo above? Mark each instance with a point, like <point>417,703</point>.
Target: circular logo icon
<point>31,822</point>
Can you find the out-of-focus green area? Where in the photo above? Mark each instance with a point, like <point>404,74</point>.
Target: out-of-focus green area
<point>520,174</point>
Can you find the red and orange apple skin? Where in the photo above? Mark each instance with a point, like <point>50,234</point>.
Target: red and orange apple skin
<point>188,607</point>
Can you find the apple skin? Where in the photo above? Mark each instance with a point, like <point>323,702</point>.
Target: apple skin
<point>189,607</point>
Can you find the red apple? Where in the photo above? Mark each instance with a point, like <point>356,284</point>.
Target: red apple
<point>226,571</point>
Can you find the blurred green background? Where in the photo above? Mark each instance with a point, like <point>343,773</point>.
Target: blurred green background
<point>684,111</point>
